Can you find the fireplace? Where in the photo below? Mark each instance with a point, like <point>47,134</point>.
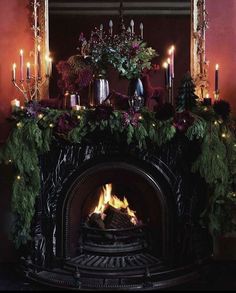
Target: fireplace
<point>110,218</point>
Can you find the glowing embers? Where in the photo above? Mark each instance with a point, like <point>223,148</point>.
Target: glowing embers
<point>112,212</point>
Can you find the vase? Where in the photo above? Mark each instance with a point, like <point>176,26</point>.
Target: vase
<point>135,93</point>
<point>98,91</point>
<point>135,86</point>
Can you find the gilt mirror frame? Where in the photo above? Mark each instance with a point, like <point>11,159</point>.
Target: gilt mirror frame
<point>198,63</point>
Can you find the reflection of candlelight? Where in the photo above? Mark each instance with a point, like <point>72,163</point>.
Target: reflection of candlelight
<point>14,72</point>
<point>217,78</point>
<point>48,66</point>
<point>21,65</point>
<point>28,71</point>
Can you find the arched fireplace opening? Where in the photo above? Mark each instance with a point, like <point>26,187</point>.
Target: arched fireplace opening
<point>147,191</point>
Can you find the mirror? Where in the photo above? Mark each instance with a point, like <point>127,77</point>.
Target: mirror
<point>178,22</point>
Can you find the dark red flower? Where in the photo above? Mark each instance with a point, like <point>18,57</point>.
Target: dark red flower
<point>183,121</point>
<point>66,123</point>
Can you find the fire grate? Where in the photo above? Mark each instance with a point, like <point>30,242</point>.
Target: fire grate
<point>112,263</point>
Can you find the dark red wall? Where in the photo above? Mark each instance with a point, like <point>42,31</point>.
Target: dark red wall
<point>221,47</point>
<point>160,32</point>
<point>16,34</point>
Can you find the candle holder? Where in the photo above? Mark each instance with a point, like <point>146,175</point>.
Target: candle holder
<point>31,87</point>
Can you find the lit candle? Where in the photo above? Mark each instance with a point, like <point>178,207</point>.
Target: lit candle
<point>28,71</point>
<point>165,66</point>
<point>169,72</point>
<point>172,60</point>
<point>132,26</point>
<point>111,27</point>
<point>21,65</point>
<point>207,100</point>
<point>141,30</point>
<point>39,62</point>
<point>14,72</point>
<point>15,104</point>
<point>217,78</point>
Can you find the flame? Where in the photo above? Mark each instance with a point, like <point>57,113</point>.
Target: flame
<point>106,198</point>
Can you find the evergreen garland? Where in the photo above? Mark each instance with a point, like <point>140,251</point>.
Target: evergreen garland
<point>33,135</point>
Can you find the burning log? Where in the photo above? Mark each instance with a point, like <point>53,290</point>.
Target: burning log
<point>116,219</point>
<point>95,221</point>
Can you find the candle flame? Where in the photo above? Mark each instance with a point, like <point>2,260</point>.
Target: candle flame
<point>171,50</point>
<point>21,52</point>
<point>217,66</point>
<point>207,96</point>
<point>39,48</point>
<point>14,66</point>
<point>165,65</point>
<point>28,65</point>
<point>168,60</point>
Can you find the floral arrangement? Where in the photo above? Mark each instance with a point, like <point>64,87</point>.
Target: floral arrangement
<point>125,52</point>
<point>75,74</point>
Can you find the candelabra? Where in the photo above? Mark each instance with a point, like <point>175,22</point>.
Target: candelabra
<point>30,87</point>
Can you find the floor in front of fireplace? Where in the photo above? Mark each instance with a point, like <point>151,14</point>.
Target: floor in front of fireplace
<point>219,276</point>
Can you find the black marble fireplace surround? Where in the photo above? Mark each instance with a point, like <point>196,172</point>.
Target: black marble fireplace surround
<point>168,249</point>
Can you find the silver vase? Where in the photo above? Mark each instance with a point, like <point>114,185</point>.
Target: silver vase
<point>99,91</point>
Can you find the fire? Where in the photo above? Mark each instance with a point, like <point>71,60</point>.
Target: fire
<point>106,198</point>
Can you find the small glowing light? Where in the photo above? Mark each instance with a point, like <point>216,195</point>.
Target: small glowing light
<point>140,117</point>
<point>78,117</point>
<point>40,116</point>
<point>165,65</point>
<point>21,52</point>
<point>223,135</point>
<point>235,145</point>
<point>205,109</point>
<point>218,156</point>
<point>19,124</point>
<point>51,125</point>
<point>172,49</point>
<point>39,48</point>
<point>18,177</point>
<point>233,194</point>
<point>207,96</point>
<point>14,65</point>
<point>217,66</point>
<point>216,123</point>
<point>9,161</point>
<point>153,124</point>
<point>168,60</point>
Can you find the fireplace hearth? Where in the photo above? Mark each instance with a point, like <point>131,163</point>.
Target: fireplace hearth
<point>110,218</point>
